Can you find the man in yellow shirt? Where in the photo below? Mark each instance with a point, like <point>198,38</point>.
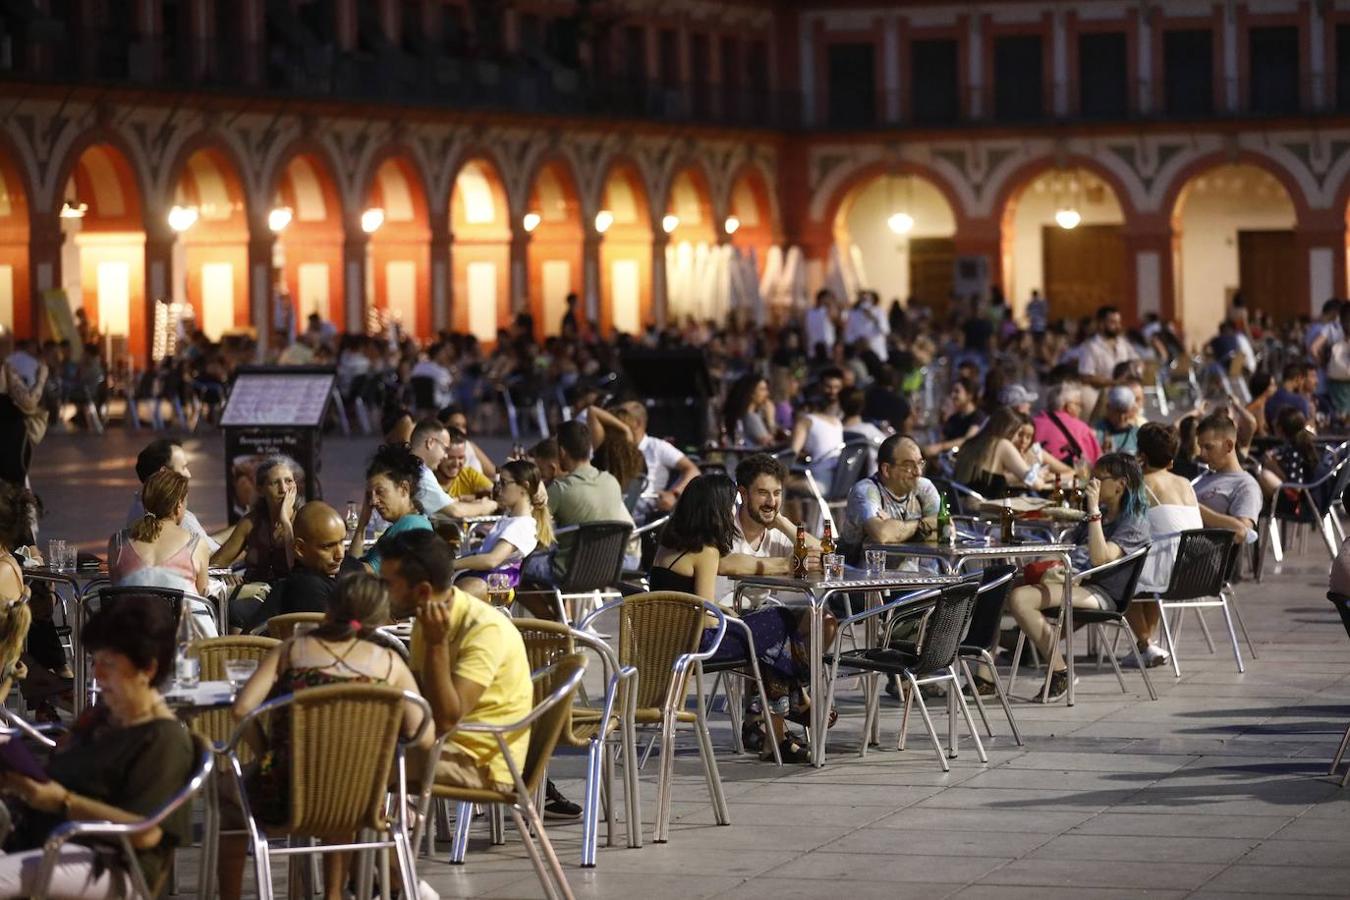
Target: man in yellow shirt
<point>469,489</point>
<point>470,662</point>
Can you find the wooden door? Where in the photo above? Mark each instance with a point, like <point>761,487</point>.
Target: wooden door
<point>1084,268</point>
<point>932,271</point>
<point>1267,269</point>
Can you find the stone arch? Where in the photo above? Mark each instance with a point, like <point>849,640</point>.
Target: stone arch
<point>212,271</point>
<point>18,312</point>
<point>309,251</point>
<point>400,249</point>
<point>481,232</point>
<point>555,254</point>
<point>625,294</point>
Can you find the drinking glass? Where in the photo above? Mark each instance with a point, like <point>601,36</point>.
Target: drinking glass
<point>239,671</point>
<point>71,560</point>
<point>499,588</point>
<point>876,562</point>
<point>56,555</point>
<point>832,565</point>
<point>187,672</point>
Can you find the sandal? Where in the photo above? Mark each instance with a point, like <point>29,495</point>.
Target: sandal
<point>790,751</point>
<point>752,735</point>
<point>802,716</point>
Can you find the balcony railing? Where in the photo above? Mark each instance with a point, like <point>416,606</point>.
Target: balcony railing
<point>309,69</point>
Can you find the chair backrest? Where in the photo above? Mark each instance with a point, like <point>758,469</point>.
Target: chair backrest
<point>107,596</point>
<point>546,729</point>
<point>632,492</point>
<point>596,560</point>
<point>852,460</point>
<point>1121,580</point>
<point>1342,604</point>
<point>1203,564</point>
<point>946,627</point>
<point>655,630</point>
<point>423,392</point>
<point>343,740</point>
<point>282,627</point>
<point>216,725</point>
<point>988,613</point>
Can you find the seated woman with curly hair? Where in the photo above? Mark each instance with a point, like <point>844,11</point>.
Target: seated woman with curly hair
<point>391,489</point>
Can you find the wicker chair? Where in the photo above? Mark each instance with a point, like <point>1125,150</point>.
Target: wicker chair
<point>119,836</point>
<point>659,636</point>
<point>558,685</point>
<point>345,739</point>
<point>282,627</point>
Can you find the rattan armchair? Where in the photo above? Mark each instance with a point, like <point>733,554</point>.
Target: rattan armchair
<point>344,741</point>
<point>282,627</point>
<point>557,684</point>
<point>659,636</point>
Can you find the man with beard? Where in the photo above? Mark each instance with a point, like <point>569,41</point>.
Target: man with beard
<point>764,537</point>
<point>1104,351</point>
<point>893,505</point>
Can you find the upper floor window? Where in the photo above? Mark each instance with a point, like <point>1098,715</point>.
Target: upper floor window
<point>1019,88</point>
<point>935,81</point>
<point>1188,71</point>
<point>852,81</point>
<point>1103,74</point>
<point>1272,83</point>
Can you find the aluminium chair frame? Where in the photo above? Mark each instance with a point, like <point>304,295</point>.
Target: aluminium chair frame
<point>1221,599</point>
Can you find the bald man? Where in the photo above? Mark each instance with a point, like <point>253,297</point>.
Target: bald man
<point>320,546</point>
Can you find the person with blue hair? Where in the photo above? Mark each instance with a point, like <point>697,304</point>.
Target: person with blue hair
<point>1116,524</point>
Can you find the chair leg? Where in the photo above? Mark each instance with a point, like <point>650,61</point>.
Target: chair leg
<point>1204,627</point>
<point>632,785</point>
<point>607,754</point>
<point>763,710</point>
<point>459,845</point>
<point>1340,751</point>
<point>927,721</point>
<point>1167,639</point>
<point>1016,660</point>
<point>262,870</point>
<point>1002,696</point>
<point>1232,634</point>
<point>590,806</point>
<point>975,692</point>
<point>540,869</point>
<point>497,823</point>
<point>903,738</point>
<point>1237,616</point>
<point>1124,625</point>
<point>559,876</point>
<point>407,863</point>
<point>666,776</point>
<point>955,688</point>
<point>1115,666</point>
<point>710,770</point>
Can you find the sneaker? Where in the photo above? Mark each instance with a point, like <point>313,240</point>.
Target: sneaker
<point>426,892</point>
<point>1154,656</point>
<point>1059,688</point>
<point>983,686</point>
<point>559,807</point>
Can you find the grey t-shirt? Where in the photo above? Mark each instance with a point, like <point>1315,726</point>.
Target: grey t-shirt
<point>1129,533</point>
<point>1233,494</point>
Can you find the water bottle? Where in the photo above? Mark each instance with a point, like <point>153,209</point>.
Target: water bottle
<point>186,665</point>
<point>353,519</point>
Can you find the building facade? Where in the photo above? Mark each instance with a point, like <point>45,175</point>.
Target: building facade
<point>449,164</point>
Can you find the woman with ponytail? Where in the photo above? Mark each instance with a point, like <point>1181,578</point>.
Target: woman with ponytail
<point>156,551</point>
<point>342,650</point>
<point>525,524</point>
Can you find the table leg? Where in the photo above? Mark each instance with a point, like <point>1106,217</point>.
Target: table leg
<point>819,715</point>
<point>1067,618</point>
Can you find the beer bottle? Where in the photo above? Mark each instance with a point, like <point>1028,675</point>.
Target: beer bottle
<point>799,554</point>
<point>1057,495</point>
<point>1006,529</point>
<point>827,541</point>
<point>946,534</point>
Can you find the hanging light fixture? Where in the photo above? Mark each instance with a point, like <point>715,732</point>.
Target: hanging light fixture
<point>73,210</point>
<point>603,219</point>
<point>899,222</point>
<point>181,218</point>
<point>732,225</point>
<point>531,221</point>
<point>669,222</point>
<point>278,219</point>
<point>372,219</point>
<point>1067,215</point>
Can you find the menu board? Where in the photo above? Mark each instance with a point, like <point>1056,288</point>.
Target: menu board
<point>277,396</point>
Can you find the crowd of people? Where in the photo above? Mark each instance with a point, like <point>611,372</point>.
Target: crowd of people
<point>981,403</point>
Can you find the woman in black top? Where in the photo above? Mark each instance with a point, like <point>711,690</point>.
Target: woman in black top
<point>122,760</point>
<point>700,532</point>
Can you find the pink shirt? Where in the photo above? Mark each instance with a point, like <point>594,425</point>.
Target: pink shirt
<point>1053,441</point>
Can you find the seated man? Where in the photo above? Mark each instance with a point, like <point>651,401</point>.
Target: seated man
<point>470,491</point>
<point>167,453</point>
<point>1118,430</point>
<point>1229,497</point>
<point>430,443</point>
<point>581,493</point>
<point>895,504</point>
<point>469,661</point>
<point>320,546</point>
<point>668,470</point>
<point>764,538</point>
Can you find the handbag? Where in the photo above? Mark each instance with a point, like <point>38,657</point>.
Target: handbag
<point>29,403</point>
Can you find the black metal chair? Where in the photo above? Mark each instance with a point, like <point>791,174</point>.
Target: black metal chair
<point>594,567</point>
<point>852,462</point>
<point>1342,604</point>
<point>424,394</point>
<point>1199,579</point>
<point>1295,507</point>
<point>930,660</point>
<point>1117,580</point>
<point>995,585</point>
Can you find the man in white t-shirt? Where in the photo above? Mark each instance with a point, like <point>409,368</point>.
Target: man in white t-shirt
<point>430,442</point>
<point>1101,354</point>
<point>668,470</point>
<point>764,538</point>
<point>819,324</point>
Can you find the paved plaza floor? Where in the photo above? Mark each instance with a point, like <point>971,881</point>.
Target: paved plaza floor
<point>1218,789</point>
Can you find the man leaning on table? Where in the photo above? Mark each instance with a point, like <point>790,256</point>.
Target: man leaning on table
<point>893,505</point>
<point>764,538</point>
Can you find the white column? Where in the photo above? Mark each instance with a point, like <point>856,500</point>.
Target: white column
<point>1060,65</point>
